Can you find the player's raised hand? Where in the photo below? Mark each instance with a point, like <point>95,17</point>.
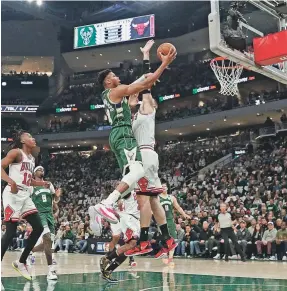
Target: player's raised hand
<point>147,47</point>
<point>169,58</point>
<point>58,192</point>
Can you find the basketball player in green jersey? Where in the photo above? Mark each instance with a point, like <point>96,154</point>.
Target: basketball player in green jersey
<point>169,204</point>
<point>43,199</point>
<point>122,140</point>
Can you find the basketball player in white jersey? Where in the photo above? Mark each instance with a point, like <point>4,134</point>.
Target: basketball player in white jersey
<point>16,197</point>
<point>123,206</point>
<point>143,127</point>
<point>129,225</point>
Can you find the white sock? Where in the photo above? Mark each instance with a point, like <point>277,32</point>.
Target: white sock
<point>112,198</point>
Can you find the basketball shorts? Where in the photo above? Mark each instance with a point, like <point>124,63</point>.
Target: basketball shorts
<point>17,205</point>
<point>48,222</point>
<point>116,229</point>
<point>46,230</point>
<point>124,146</point>
<point>149,184</point>
<point>130,226</point>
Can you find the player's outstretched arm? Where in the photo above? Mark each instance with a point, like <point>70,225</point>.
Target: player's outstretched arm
<point>117,94</point>
<point>8,160</point>
<point>178,208</point>
<point>40,183</point>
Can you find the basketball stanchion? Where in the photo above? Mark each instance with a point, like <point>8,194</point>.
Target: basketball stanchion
<point>228,73</point>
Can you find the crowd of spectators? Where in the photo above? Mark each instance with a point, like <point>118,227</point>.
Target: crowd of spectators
<point>253,185</point>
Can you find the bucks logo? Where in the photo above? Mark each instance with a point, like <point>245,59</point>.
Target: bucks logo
<point>86,36</point>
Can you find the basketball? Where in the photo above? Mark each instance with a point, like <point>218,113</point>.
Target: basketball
<point>164,48</point>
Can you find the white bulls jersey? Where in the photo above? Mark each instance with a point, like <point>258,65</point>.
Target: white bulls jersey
<point>144,129</point>
<point>22,172</point>
<point>130,205</point>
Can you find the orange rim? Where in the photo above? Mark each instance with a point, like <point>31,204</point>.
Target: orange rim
<point>224,59</point>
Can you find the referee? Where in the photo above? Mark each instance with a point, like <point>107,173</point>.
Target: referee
<point>227,233</point>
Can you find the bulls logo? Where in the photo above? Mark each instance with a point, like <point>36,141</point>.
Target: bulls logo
<point>140,27</point>
<point>143,184</point>
<point>8,213</point>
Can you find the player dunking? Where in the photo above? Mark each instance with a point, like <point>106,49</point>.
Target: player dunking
<point>16,197</point>
<point>43,199</point>
<point>169,204</point>
<point>129,225</point>
<point>149,186</point>
<point>122,140</point>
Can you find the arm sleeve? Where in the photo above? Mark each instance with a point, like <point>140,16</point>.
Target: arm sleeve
<point>146,69</point>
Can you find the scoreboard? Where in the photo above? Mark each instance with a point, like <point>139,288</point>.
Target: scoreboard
<point>114,31</point>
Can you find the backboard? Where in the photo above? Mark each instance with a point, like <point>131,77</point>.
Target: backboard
<point>262,19</point>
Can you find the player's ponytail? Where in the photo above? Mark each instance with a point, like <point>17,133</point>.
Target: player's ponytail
<point>16,143</point>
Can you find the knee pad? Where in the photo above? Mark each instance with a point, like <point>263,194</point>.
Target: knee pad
<point>135,173</point>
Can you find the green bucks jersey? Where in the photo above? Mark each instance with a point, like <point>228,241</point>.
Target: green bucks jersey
<point>167,205</point>
<point>118,114</point>
<point>43,198</point>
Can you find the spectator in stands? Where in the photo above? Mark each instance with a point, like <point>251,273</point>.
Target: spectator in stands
<point>268,240</point>
<point>281,242</point>
<point>81,242</point>
<point>66,239</point>
<point>204,236</point>
<point>180,236</point>
<point>243,236</point>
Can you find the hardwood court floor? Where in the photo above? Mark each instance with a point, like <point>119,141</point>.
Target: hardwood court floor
<point>79,272</point>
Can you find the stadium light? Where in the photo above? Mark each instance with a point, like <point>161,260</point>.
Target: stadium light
<point>29,1</point>
<point>39,2</point>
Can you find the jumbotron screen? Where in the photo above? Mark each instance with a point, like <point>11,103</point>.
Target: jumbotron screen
<point>114,31</point>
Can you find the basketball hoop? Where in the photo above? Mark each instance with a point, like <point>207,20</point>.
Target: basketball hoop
<point>227,73</point>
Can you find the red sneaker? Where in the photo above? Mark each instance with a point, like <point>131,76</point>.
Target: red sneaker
<point>143,248</point>
<point>169,245</point>
<point>161,254</point>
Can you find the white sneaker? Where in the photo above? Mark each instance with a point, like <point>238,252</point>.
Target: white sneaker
<point>217,257</point>
<point>106,211</point>
<point>22,269</point>
<point>272,258</point>
<point>234,257</point>
<point>284,258</point>
<point>2,287</point>
<point>52,275</point>
<point>66,251</point>
<point>253,257</point>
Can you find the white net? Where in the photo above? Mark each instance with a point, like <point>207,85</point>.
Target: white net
<point>228,73</point>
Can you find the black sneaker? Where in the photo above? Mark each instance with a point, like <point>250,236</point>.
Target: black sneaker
<point>243,259</point>
<point>107,275</point>
<point>104,262</point>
